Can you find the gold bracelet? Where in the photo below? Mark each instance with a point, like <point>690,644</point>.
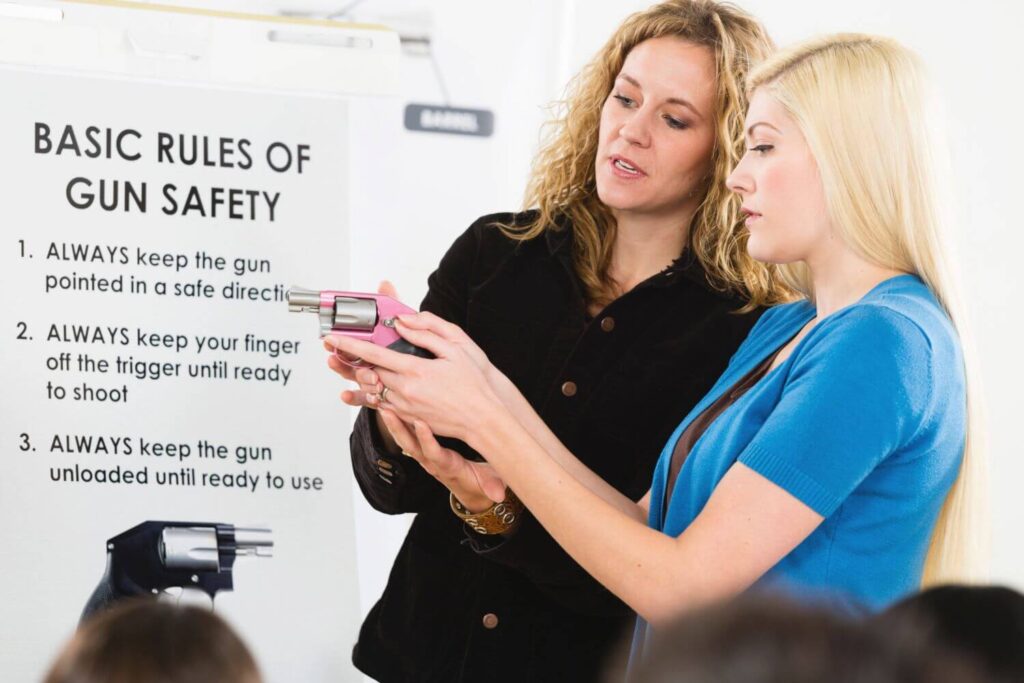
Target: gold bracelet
<point>497,519</point>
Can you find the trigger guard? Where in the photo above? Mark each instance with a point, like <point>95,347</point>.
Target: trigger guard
<point>357,363</point>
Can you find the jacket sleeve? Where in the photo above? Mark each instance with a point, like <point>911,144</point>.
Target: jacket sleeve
<point>391,483</point>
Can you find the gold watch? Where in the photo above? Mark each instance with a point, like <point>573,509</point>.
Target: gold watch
<point>497,519</point>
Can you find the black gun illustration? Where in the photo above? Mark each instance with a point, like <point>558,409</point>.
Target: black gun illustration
<point>156,557</point>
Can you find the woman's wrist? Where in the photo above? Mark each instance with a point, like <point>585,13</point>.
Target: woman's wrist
<point>474,502</point>
<point>491,421</point>
<point>501,385</point>
<point>497,518</point>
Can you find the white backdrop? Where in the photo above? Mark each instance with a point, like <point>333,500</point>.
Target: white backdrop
<point>114,298</point>
<point>55,532</point>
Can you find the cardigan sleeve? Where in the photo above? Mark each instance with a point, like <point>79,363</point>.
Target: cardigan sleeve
<point>856,393</point>
<point>391,483</point>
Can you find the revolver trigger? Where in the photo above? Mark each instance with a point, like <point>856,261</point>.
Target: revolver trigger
<point>352,361</point>
<point>169,594</point>
<point>195,596</point>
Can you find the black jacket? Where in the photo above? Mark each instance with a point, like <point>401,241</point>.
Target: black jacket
<point>637,369</point>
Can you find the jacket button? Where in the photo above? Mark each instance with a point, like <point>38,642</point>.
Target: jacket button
<point>490,620</point>
<point>608,323</point>
<point>569,389</point>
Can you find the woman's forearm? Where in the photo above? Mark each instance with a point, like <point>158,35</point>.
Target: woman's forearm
<point>524,413</point>
<point>613,544</point>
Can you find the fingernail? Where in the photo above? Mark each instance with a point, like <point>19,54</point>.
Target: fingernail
<point>406,316</point>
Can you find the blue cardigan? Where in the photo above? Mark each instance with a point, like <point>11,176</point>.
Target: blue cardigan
<point>864,423</point>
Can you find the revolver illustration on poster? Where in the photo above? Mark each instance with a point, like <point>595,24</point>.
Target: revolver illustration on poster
<point>370,317</point>
<point>187,560</point>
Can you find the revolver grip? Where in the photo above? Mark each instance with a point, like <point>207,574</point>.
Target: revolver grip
<point>404,346</point>
<point>102,597</point>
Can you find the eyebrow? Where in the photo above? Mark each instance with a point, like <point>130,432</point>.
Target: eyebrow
<point>750,130</point>
<point>671,100</point>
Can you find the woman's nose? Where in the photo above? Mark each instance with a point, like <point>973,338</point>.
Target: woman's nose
<point>636,130</point>
<point>739,180</point>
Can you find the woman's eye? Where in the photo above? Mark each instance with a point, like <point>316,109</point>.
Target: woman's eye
<point>676,123</point>
<point>761,149</point>
<point>623,100</point>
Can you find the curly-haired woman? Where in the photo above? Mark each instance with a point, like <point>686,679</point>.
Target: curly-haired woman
<point>612,304</point>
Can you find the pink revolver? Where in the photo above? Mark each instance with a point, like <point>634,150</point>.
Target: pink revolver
<point>370,317</point>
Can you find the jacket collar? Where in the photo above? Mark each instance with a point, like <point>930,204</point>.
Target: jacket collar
<point>685,267</point>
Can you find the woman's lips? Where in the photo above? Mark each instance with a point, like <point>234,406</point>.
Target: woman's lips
<point>626,169</point>
<point>749,216</point>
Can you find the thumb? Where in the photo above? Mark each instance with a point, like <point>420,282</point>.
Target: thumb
<point>488,481</point>
<point>387,289</point>
<point>494,489</point>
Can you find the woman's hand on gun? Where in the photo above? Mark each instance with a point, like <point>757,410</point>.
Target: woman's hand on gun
<point>369,386</point>
<point>452,393</point>
<point>476,485</point>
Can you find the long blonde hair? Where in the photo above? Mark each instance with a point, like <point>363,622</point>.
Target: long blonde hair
<point>863,105</point>
<point>563,179</point>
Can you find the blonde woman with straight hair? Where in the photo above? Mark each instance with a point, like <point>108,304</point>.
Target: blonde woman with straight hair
<point>625,280</point>
<point>889,199</point>
<point>823,461</point>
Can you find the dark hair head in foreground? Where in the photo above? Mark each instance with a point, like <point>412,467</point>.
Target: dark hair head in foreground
<point>983,624</point>
<point>765,639</point>
<point>146,641</point>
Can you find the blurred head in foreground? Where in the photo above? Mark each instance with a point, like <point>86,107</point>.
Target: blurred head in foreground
<point>147,641</point>
<point>983,624</point>
<point>766,639</point>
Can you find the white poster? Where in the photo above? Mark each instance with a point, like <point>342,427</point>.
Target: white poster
<point>152,371</point>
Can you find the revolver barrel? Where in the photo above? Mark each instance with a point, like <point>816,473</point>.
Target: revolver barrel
<point>303,300</point>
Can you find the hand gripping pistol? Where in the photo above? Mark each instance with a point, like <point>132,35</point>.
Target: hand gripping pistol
<point>157,558</point>
<point>370,317</point>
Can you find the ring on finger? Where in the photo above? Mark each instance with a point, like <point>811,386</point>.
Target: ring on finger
<point>383,395</point>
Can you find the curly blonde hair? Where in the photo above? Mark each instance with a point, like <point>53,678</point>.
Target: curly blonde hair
<point>563,183</point>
